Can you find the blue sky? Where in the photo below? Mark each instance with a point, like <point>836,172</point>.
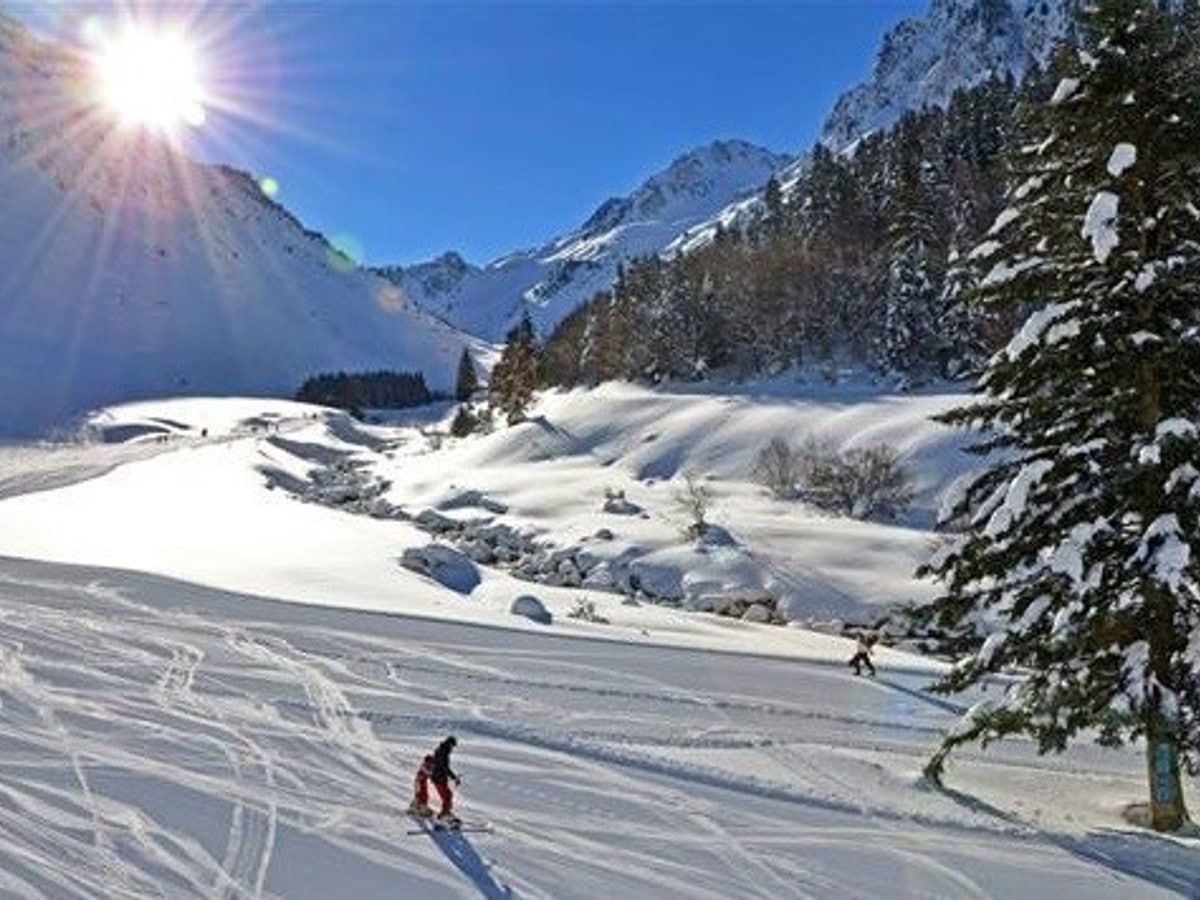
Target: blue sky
<point>404,129</point>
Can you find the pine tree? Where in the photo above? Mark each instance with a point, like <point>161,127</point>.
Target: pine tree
<point>466,382</point>
<point>912,291</point>
<point>774,216</point>
<point>515,375</point>
<point>1079,556</point>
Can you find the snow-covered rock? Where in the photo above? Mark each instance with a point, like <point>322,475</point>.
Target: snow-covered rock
<point>445,565</point>
<point>531,608</point>
<point>473,499</point>
<point>617,505</point>
<point>600,578</point>
<point>758,613</point>
<point>437,523</point>
<point>659,581</point>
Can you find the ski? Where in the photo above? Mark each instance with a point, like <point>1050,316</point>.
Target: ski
<point>438,828</point>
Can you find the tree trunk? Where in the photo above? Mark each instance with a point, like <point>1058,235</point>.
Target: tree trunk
<point>1167,812</point>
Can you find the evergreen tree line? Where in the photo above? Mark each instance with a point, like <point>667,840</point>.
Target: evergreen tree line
<point>366,390</point>
<point>862,259</point>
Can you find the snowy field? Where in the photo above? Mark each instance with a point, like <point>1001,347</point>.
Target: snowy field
<point>169,728</point>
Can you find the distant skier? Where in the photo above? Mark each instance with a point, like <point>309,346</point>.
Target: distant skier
<point>435,768</point>
<point>862,656</point>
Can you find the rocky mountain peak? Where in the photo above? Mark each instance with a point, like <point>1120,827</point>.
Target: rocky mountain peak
<point>693,178</point>
<point>957,44</point>
<point>548,282</point>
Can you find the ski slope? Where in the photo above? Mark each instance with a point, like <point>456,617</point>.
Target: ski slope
<point>168,740</point>
<point>171,728</point>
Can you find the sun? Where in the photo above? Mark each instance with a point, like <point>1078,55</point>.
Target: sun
<point>151,79</point>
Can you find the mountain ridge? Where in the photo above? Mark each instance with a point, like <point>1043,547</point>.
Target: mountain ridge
<point>128,270</point>
<point>922,61</point>
<point>550,280</point>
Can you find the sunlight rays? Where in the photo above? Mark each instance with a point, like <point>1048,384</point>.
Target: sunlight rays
<point>208,80</point>
<point>104,111</point>
<point>114,115</point>
<point>151,79</point>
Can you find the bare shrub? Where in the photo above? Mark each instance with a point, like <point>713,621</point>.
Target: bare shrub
<point>778,468</point>
<point>693,499</point>
<point>585,610</point>
<point>863,482</point>
<point>879,486</point>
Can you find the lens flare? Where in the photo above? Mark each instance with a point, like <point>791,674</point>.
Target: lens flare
<point>150,78</point>
<point>269,186</point>
<point>390,298</point>
<point>345,252</point>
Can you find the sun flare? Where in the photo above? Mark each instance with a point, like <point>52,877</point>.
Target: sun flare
<point>151,79</point>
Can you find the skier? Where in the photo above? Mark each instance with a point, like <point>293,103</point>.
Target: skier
<point>441,775</point>
<point>862,656</point>
<point>420,802</point>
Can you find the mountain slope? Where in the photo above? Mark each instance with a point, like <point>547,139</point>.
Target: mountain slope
<point>958,44</point>
<point>126,270</point>
<point>549,281</point>
<point>921,63</point>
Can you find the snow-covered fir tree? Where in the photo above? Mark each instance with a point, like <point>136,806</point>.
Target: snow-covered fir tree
<point>515,375</point>
<point>1078,558</point>
<point>466,381</point>
<point>912,297</point>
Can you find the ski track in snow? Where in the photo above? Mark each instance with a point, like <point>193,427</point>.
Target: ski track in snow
<point>231,748</point>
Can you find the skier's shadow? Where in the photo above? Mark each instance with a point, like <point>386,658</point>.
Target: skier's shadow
<point>460,852</point>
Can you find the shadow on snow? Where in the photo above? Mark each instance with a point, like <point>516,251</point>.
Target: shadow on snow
<point>459,851</point>
<point>1147,857</point>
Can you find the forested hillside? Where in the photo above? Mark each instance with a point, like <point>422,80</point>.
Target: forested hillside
<point>860,259</point>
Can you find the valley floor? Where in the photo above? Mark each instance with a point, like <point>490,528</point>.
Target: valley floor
<point>170,727</point>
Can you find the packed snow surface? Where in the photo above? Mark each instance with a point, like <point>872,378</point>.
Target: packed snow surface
<point>171,729</point>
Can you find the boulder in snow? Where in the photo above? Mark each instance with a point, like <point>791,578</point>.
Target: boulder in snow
<point>434,522</point>
<point>531,608</point>
<point>473,499</point>
<point>658,581</point>
<point>444,565</point>
<point>600,578</point>
<point>758,613</point>
<point>619,506</point>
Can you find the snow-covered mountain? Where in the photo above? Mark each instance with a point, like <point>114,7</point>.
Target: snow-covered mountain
<point>921,63</point>
<point>957,44</point>
<point>127,270</point>
<point>552,280</point>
